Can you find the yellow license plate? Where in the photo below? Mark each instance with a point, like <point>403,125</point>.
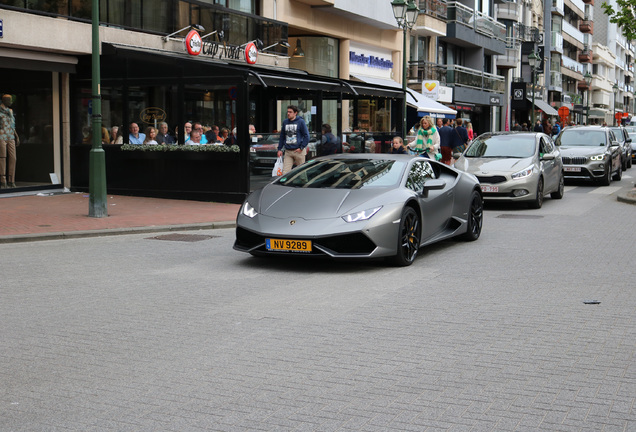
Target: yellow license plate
<point>288,245</point>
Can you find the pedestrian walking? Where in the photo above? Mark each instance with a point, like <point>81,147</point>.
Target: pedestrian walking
<point>294,137</point>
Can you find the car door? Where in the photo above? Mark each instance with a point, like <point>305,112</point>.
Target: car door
<point>614,148</point>
<point>549,167</point>
<point>436,205</point>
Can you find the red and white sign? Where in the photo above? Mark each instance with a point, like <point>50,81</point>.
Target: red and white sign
<point>251,53</point>
<point>193,42</point>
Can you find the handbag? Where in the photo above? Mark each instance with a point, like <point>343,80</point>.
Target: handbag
<point>459,148</point>
<point>277,171</point>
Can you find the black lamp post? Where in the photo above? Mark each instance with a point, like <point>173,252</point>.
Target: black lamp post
<point>588,80</point>
<point>533,60</point>
<point>406,15</point>
<point>615,89</point>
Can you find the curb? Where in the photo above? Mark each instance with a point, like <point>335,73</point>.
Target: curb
<point>629,198</point>
<point>21,238</point>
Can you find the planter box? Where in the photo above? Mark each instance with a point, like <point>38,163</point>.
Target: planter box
<point>207,176</point>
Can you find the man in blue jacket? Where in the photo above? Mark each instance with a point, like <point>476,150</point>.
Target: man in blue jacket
<point>294,137</point>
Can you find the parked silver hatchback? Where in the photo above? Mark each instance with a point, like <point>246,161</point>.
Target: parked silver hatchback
<point>515,166</point>
<point>590,153</point>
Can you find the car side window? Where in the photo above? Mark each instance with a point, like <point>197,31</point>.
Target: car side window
<point>419,173</point>
<point>545,146</point>
<point>612,137</point>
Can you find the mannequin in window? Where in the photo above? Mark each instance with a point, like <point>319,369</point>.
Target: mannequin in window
<point>8,142</point>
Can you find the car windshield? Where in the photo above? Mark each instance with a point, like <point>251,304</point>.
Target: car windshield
<point>345,174</point>
<point>503,146</point>
<point>581,137</point>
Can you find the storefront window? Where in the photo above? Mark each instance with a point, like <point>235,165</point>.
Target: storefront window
<point>370,115</point>
<point>320,55</point>
<point>33,110</point>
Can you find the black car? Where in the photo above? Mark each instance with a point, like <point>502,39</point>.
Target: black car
<point>622,135</point>
<point>590,153</point>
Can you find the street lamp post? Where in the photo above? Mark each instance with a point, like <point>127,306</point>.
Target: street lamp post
<point>533,60</point>
<point>97,158</point>
<point>615,89</point>
<point>406,15</point>
<point>588,80</point>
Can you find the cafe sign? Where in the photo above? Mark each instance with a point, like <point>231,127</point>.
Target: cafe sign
<point>152,115</point>
<point>193,43</point>
<point>195,46</point>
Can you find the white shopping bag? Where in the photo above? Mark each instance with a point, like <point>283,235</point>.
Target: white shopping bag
<point>278,167</point>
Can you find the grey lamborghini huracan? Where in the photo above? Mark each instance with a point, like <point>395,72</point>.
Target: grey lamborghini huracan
<point>360,206</point>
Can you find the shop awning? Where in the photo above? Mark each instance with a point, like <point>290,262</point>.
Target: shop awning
<point>424,105</point>
<point>544,106</point>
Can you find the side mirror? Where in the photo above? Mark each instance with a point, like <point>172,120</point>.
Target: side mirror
<point>456,155</point>
<point>433,184</point>
<point>548,156</point>
<point>628,140</point>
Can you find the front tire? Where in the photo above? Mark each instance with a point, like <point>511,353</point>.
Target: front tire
<point>409,237</point>
<point>538,199</point>
<point>607,177</point>
<point>475,218</point>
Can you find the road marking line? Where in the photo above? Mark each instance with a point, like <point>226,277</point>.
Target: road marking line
<point>569,188</point>
<point>606,190</point>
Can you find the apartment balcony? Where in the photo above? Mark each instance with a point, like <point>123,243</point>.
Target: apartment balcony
<point>555,80</point>
<point>582,85</point>
<point>426,71</point>
<point>470,28</point>
<point>557,7</point>
<point>511,59</point>
<point>456,76</point>
<point>557,42</point>
<point>572,32</point>
<point>586,26</point>
<point>435,8</point>
<point>526,33</point>
<point>585,57</point>
<point>509,11</point>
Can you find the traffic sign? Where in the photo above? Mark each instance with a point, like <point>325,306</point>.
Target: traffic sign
<point>564,111</point>
<point>618,116</point>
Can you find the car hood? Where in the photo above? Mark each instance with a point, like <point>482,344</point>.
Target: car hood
<point>581,151</point>
<point>481,166</point>
<point>283,202</point>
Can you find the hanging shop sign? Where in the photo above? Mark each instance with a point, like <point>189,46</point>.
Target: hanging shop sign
<point>193,43</point>
<point>251,53</point>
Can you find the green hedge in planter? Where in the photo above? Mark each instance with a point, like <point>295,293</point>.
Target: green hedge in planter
<point>180,148</point>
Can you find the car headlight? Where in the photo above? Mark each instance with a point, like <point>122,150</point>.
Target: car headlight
<point>248,210</point>
<point>523,173</point>
<point>360,216</point>
<point>252,150</point>
<point>598,157</point>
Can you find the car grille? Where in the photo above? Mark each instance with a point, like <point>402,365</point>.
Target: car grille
<point>574,160</point>
<point>491,179</point>
<point>346,244</point>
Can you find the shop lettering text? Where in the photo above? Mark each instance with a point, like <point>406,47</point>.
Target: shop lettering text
<point>213,49</point>
<point>152,115</point>
<point>371,61</point>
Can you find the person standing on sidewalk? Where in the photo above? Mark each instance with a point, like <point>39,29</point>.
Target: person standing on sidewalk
<point>8,142</point>
<point>294,137</point>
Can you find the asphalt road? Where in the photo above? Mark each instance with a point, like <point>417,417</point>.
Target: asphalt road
<point>135,333</point>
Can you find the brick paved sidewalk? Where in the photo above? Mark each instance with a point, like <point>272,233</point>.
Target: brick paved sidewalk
<point>29,217</point>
